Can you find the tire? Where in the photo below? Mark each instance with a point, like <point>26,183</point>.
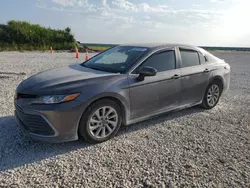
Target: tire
<point>213,86</point>
<point>94,124</point>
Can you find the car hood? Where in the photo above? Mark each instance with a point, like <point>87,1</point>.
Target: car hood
<point>67,79</point>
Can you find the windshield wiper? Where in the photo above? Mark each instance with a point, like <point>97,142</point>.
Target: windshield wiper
<point>95,68</point>
<point>84,65</point>
<point>101,69</point>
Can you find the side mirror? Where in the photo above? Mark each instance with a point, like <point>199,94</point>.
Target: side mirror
<point>146,71</point>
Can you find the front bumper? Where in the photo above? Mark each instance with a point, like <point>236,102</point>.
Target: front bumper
<point>49,123</point>
<point>226,83</point>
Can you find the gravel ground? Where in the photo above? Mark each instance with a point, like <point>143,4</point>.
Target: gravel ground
<point>189,148</point>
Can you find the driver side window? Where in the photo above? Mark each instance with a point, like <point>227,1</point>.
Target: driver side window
<point>162,61</point>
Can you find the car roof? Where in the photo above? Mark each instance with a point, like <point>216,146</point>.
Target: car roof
<point>159,45</point>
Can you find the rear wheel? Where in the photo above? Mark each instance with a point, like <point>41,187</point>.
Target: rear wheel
<point>212,95</point>
<point>101,121</point>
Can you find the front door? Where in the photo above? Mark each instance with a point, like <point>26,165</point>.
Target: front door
<point>157,93</point>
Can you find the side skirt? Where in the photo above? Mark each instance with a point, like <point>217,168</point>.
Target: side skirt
<point>161,112</point>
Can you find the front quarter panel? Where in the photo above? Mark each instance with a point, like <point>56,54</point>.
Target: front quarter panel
<point>116,87</point>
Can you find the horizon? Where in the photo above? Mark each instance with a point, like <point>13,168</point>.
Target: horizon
<point>107,44</point>
<point>211,23</point>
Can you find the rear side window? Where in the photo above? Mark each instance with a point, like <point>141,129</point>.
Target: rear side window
<point>189,58</point>
<point>202,58</point>
<point>163,61</point>
<point>209,56</point>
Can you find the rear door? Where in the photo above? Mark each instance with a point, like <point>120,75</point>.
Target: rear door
<point>194,76</point>
<point>157,93</point>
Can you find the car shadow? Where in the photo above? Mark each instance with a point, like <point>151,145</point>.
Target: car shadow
<point>159,119</point>
<point>17,149</point>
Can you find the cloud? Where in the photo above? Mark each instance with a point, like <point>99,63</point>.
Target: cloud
<point>71,3</point>
<point>141,7</point>
<point>63,2</point>
<point>133,14</point>
<point>163,6</point>
<point>204,23</point>
<point>104,2</point>
<point>144,7</point>
<point>218,1</point>
<point>126,5</point>
<point>196,5</point>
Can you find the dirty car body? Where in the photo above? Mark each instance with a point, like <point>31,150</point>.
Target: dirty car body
<point>182,75</point>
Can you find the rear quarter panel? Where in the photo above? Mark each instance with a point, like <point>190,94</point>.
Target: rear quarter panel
<point>219,71</point>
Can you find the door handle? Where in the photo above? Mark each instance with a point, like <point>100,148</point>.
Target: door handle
<point>206,70</point>
<point>176,76</point>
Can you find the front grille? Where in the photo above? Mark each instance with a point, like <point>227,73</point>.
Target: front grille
<point>34,123</point>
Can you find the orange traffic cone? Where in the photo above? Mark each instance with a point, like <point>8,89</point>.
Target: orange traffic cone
<point>87,56</point>
<point>77,53</point>
<point>51,50</point>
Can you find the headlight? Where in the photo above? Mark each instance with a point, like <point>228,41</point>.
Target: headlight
<point>53,99</point>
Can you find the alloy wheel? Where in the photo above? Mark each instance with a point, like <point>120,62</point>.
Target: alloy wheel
<point>213,95</point>
<point>103,122</point>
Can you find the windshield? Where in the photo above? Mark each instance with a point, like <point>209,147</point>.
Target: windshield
<point>117,60</point>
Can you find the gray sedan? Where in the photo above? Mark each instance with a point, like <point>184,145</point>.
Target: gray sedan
<point>123,85</point>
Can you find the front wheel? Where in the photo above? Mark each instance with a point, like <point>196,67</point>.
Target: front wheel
<point>212,95</point>
<point>101,121</point>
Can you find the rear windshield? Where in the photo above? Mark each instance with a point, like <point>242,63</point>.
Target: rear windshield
<point>116,60</point>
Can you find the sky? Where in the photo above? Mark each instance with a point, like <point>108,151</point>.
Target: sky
<point>197,22</point>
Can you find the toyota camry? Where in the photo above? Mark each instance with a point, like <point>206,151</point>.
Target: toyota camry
<point>123,85</point>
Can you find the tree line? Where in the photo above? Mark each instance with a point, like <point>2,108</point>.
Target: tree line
<point>21,35</point>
